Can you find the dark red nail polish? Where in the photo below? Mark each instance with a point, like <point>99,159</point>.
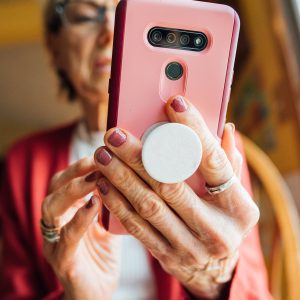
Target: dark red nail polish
<point>92,177</point>
<point>117,138</point>
<point>179,104</point>
<point>103,156</point>
<point>102,186</point>
<point>90,203</point>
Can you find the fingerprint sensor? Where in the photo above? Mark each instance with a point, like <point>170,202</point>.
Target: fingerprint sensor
<point>172,79</point>
<point>174,71</point>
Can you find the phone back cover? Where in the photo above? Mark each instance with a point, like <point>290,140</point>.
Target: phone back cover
<point>137,91</point>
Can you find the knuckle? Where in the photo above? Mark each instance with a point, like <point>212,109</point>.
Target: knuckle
<point>164,256</point>
<point>160,250</point>
<point>123,179</point>
<point>252,216</point>
<point>135,160</point>
<point>220,244</point>
<point>54,181</point>
<point>239,158</point>
<point>190,259</point>
<point>46,207</point>
<point>161,253</point>
<point>78,166</point>
<point>134,227</point>
<point>171,192</point>
<point>69,188</point>
<point>149,206</point>
<point>222,248</point>
<point>70,274</point>
<point>215,158</point>
<point>168,264</point>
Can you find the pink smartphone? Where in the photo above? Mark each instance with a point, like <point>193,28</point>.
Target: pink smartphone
<point>164,48</point>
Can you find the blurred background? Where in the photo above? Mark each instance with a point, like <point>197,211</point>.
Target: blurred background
<point>265,100</point>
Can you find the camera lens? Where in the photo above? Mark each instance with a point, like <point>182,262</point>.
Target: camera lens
<point>184,39</point>
<point>200,41</point>
<point>156,36</point>
<point>171,38</point>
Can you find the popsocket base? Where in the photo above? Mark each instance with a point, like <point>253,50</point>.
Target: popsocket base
<point>171,152</point>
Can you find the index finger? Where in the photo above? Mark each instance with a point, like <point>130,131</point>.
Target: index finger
<point>81,167</point>
<point>215,166</point>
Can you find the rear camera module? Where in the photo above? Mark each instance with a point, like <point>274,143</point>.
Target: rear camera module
<point>176,38</point>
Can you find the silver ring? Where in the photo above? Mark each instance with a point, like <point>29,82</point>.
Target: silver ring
<point>214,190</point>
<point>50,233</point>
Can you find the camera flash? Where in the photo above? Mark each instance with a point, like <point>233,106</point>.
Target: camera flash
<point>198,41</point>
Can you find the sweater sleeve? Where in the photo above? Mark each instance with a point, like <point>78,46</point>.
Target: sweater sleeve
<point>20,275</point>
<point>250,279</point>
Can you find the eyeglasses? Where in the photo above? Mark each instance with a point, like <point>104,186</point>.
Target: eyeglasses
<point>83,14</point>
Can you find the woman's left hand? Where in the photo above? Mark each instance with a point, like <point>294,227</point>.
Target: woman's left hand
<point>195,239</point>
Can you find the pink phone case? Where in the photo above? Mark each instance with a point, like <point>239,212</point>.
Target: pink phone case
<point>138,86</point>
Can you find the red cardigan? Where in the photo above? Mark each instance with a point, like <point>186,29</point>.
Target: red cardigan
<point>24,272</point>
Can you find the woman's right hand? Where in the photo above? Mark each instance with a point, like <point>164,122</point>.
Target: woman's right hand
<point>86,258</point>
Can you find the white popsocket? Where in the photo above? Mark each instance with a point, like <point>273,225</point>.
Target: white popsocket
<point>171,152</point>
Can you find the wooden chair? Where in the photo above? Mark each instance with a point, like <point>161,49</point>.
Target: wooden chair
<point>283,259</point>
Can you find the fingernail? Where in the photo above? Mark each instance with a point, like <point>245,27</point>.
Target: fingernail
<point>232,127</point>
<point>90,203</point>
<point>92,177</point>
<point>103,186</point>
<point>103,156</point>
<point>179,104</point>
<point>117,138</point>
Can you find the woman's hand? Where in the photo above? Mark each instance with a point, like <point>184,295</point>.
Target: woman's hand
<point>86,257</point>
<point>195,239</point>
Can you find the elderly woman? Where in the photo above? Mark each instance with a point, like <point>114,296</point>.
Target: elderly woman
<point>181,246</point>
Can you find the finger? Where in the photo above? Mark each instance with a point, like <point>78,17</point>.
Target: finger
<point>73,232</point>
<point>57,203</point>
<point>129,151</point>
<point>142,198</point>
<point>215,167</point>
<point>229,146</point>
<point>208,232</point>
<point>80,168</point>
<point>128,148</point>
<point>130,219</point>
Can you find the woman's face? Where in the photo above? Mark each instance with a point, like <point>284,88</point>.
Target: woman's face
<point>83,48</point>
